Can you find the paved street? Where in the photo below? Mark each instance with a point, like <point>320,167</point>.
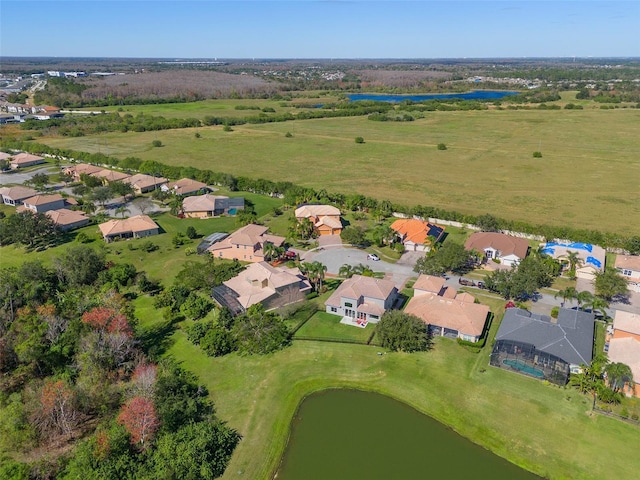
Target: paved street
<point>19,178</point>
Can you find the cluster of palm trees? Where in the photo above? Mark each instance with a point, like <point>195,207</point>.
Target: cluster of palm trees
<point>349,271</point>
<point>302,229</point>
<point>271,252</point>
<point>585,300</point>
<point>603,379</point>
<point>315,273</point>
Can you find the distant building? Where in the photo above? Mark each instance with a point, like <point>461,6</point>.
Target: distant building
<point>142,183</point>
<point>208,206</point>
<point>325,218</point>
<point>185,186</point>
<point>245,244</point>
<point>14,196</point>
<point>362,299</point>
<point>507,249</point>
<point>134,227</point>
<point>44,203</point>
<point>417,235</point>
<point>23,160</point>
<point>66,219</point>
<point>629,268</point>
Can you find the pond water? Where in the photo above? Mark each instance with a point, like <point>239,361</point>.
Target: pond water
<point>349,434</point>
<point>474,95</point>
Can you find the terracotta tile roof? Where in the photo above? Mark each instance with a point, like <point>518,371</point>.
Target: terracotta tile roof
<point>505,244</point>
<point>429,283</point>
<point>306,211</point>
<point>185,185</point>
<point>139,223</point>
<point>417,231</point>
<point>360,286</point>
<point>627,351</point>
<point>17,193</point>
<point>201,203</point>
<point>627,322</point>
<point>64,216</point>
<point>38,200</point>
<point>465,297</point>
<point>628,262</point>
<point>142,181</point>
<point>25,158</point>
<point>465,317</point>
<point>110,175</point>
<point>4,156</point>
<point>260,280</point>
<point>331,222</point>
<point>84,168</point>
<point>249,235</point>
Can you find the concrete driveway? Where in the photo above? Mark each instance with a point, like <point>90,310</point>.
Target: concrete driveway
<point>20,178</point>
<point>335,257</point>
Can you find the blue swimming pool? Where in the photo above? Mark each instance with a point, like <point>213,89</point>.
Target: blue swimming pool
<point>524,368</point>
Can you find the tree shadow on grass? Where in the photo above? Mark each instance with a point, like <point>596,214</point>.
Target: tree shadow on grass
<point>157,339</point>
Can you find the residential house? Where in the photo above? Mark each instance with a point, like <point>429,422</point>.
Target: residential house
<point>208,206</point>
<point>591,257</point>
<point>417,235</point>
<point>325,218</point>
<point>624,346</point>
<point>185,186</point>
<point>629,268</point>
<point>134,227</point>
<point>44,203</point>
<point>81,169</point>
<point>273,287</point>
<point>23,160</point>
<point>66,219</point>
<point>363,299</point>
<point>143,183</point>
<point>544,347</point>
<point>447,313</point>
<point>108,176</point>
<point>508,250</point>
<point>245,244</point>
<point>14,196</point>
<point>4,156</point>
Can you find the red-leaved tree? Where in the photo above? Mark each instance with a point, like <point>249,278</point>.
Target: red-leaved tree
<point>139,417</point>
<point>107,320</point>
<point>57,411</point>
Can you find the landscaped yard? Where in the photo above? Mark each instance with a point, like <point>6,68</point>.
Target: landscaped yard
<point>326,325</point>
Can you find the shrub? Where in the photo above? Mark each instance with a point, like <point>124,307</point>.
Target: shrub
<point>288,135</point>
<point>227,128</point>
<point>197,135</point>
<point>555,311</point>
<point>82,237</point>
<point>156,143</point>
<point>537,154</point>
<point>149,246</point>
<point>191,232</point>
<point>359,140</point>
<point>442,146</point>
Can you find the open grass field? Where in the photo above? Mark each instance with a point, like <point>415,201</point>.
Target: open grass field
<point>544,428</point>
<point>325,325</point>
<point>587,177</point>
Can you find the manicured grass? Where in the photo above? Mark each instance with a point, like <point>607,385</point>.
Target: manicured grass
<point>585,178</point>
<point>541,427</point>
<point>326,325</point>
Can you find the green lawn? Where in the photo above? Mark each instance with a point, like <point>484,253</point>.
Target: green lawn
<point>326,325</point>
<point>585,179</point>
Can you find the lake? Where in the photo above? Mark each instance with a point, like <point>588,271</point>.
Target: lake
<point>474,95</point>
<point>349,434</point>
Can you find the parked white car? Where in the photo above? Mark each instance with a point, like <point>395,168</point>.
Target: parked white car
<point>373,256</point>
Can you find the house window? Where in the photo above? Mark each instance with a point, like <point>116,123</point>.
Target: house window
<point>334,309</point>
<point>626,272</point>
<point>488,253</point>
<point>347,304</point>
<point>374,317</point>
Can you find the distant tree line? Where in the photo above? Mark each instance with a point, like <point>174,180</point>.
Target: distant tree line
<point>296,194</point>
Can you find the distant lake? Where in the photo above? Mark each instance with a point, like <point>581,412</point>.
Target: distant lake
<point>354,435</point>
<point>474,95</point>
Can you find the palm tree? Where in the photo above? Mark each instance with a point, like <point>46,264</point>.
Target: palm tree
<point>574,260</point>
<point>121,209</point>
<point>318,272</point>
<point>598,304</point>
<point>269,250</point>
<point>346,271</point>
<point>618,374</point>
<point>568,293</point>
<point>584,298</point>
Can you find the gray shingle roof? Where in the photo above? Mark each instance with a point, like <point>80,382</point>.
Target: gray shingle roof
<point>570,339</point>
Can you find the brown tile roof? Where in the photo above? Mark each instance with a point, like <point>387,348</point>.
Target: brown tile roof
<point>505,244</point>
<point>248,235</point>
<point>25,158</point>
<point>627,351</point>
<point>139,223</point>
<point>465,317</point>
<point>142,181</point>
<point>43,199</point>
<point>329,222</point>
<point>360,286</point>
<point>629,262</point>
<point>417,231</point>
<point>17,193</point>
<point>110,175</point>
<point>84,168</point>
<point>260,280</point>
<point>185,185</point>
<point>64,216</point>
<point>627,322</point>
<point>429,283</point>
<point>306,211</point>
<point>200,203</point>
<point>4,156</point>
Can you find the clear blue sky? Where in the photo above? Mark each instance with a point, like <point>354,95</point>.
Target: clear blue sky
<point>319,29</point>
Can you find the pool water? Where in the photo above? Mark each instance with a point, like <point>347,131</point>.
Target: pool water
<point>524,368</point>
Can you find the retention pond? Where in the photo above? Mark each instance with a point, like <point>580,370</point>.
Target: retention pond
<point>349,434</point>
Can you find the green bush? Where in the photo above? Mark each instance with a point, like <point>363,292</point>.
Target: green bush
<point>359,140</point>
<point>156,143</point>
<point>537,154</point>
<point>442,146</point>
<point>555,311</point>
<point>227,128</point>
